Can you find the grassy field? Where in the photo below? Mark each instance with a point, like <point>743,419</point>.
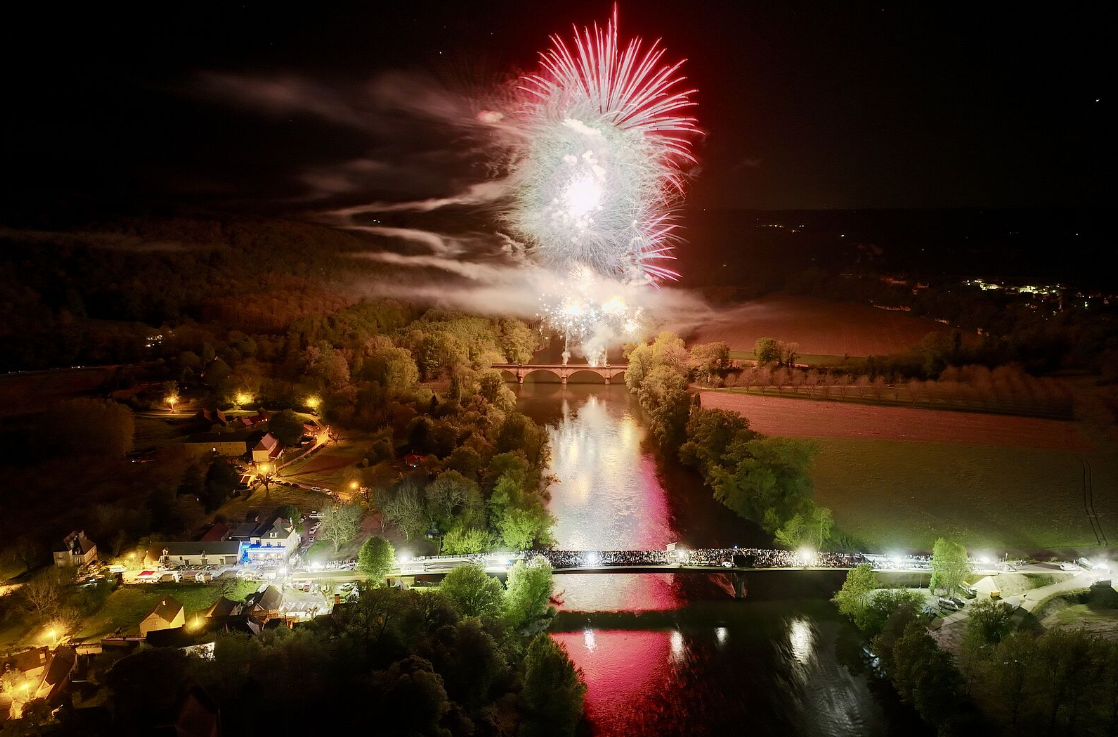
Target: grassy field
<point>304,500</point>
<point>333,466</point>
<point>824,330</point>
<point>898,494</point>
<point>126,606</point>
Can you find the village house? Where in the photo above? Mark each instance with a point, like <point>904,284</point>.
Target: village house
<point>199,553</point>
<point>268,541</point>
<point>215,533</point>
<point>209,419</point>
<point>265,605</point>
<point>219,444</point>
<point>167,614</point>
<point>267,449</point>
<point>250,423</point>
<point>273,545</point>
<point>76,550</point>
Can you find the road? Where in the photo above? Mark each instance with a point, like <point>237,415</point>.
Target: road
<point>1030,599</point>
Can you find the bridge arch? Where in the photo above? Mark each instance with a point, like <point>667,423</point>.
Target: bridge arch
<point>542,372</point>
<point>585,376</point>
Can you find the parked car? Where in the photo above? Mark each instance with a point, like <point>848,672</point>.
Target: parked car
<point>958,602</point>
<point>968,592</point>
<point>948,605</point>
<point>929,612</point>
<point>1070,567</point>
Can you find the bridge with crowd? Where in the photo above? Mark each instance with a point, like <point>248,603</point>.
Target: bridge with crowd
<point>733,561</point>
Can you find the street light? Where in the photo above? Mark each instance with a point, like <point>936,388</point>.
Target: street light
<point>313,402</point>
<point>243,398</point>
<point>171,399</point>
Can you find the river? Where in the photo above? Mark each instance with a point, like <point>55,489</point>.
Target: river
<point>675,654</point>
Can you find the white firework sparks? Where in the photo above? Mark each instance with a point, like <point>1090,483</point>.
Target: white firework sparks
<point>598,175</point>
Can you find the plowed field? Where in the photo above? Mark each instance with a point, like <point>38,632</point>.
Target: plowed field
<point>819,326</point>
<point>833,419</point>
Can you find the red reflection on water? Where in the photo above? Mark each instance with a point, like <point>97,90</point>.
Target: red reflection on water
<point>609,592</point>
<point>623,669</point>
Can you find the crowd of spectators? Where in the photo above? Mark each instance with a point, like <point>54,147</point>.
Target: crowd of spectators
<point>714,557</point>
<point>725,557</point>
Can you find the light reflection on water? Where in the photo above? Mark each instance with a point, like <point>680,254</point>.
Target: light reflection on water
<point>608,496</point>
<point>723,667</point>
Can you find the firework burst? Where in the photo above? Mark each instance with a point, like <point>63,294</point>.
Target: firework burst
<point>599,173</point>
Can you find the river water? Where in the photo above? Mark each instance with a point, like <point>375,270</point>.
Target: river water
<point>675,654</point>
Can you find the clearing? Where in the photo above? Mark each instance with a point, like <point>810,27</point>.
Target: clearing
<point>820,327</point>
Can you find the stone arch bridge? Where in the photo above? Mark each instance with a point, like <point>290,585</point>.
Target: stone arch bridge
<point>609,371</point>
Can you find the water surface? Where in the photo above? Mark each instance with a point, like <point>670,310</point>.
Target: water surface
<point>675,654</point>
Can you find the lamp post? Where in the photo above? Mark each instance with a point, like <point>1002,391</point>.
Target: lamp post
<point>171,399</point>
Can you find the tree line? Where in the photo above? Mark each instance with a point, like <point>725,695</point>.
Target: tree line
<point>765,479</point>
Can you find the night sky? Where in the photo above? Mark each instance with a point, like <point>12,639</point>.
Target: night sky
<point>805,105</point>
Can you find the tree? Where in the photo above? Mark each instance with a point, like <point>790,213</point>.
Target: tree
<point>328,364</point>
<point>461,540</point>
<point>42,595</point>
<point>1015,657</point>
<point>711,358</point>
<point>898,605</point>
<point>553,692</point>
<point>473,591</point>
<point>924,675</point>
<point>663,393</point>
<point>26,550</point>
<point>854,597</point>
<point>811,527</point>
<point>289,512</point>
<point>950,565</point>
<point>403,507</point>
<point>528,591</point>
<point>990,621</point>
<point>340,523</point>
<point>1067,669</point>
<point>287,427</point>
<point>452,495</point>
<point>521,528</point>
<point>767,351</point>
<point>709,434</point>
<point>221,479</point>
<point>766,479</point>
<point>376,558</point>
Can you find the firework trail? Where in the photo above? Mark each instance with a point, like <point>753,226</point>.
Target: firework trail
<point>599,174</point>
